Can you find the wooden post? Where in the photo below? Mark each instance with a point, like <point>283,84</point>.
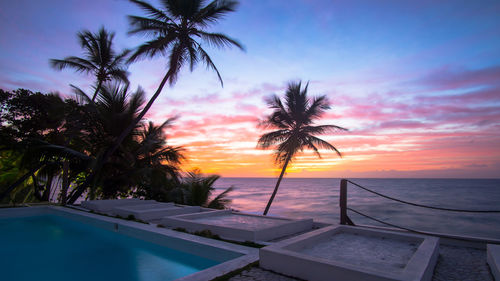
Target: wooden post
<point>343,201</point>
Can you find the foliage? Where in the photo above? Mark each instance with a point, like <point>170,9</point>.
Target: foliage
<point>99,146</point>
<point>99,59</point>
<point>178,29</point>
<point>293,119</point>
<point>79,134</point>
<point>196,189</point>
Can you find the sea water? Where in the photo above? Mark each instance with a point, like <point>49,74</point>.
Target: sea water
<point>318,198</point>
<point>55,248</point>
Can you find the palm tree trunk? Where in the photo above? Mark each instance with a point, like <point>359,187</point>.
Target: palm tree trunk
<point>81,188</point>
<point>48,187</point>
<point>99,84</point>
<point>277,185</point>
<point>65,182</point>
<point>21,180</point>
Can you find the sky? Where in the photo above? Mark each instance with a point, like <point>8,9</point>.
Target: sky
<point>417,83</point>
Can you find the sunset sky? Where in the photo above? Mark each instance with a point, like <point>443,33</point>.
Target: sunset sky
<point>417,83</point>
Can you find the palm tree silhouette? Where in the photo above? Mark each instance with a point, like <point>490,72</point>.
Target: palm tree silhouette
<point>99,58</point>
<point>293,118</point>
<point>176,28</point>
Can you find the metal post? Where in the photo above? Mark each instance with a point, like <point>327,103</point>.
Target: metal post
<point>343,201</point>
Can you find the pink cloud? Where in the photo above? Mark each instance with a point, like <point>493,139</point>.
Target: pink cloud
<point>451,78</point>
<point>480,96</point>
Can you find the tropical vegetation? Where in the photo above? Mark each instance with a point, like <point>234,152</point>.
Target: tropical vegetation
<point>178,28</point>
<point>292,120</point>
<point>100,59</point>
<point>48,143</point>
<point>100,145</point>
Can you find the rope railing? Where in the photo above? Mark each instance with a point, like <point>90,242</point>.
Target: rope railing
<point>383,222</point>
<point>417,231</point>
<point>421,205</point>
<point>344,218</point>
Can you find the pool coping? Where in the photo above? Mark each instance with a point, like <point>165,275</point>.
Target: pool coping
<point>154,234</point>
<point>291,226</point>
<point>281,258</point>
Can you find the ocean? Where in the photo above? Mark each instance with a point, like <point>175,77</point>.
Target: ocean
<point>318,198</point>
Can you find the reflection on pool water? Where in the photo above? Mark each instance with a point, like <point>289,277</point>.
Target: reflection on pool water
<point>51,247</point>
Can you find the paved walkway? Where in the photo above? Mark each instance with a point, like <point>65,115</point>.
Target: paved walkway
<point>462,264</point>
<point>454,263</point>
<point>259,274</point>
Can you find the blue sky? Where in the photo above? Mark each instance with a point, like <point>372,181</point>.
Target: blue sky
<point>410,79</point>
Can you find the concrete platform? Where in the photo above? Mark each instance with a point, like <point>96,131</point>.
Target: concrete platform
<point>155,211</point>
<point>355,254</point>
<point>239,226</point>
<point>493,259</point>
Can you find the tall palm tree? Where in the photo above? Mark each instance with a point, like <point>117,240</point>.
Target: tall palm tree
<point>99,58</point>
<point>293,120</point>
<point>177,28</point>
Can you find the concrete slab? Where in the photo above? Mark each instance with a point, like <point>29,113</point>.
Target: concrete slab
<point>351,253</point>
<point>239,226</point>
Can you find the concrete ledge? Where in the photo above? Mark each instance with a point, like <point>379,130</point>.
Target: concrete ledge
<point>493,259</point>
<point>156,211</point>
<point>105,206</point>
<point>122,210</point>
<point>287,258</point>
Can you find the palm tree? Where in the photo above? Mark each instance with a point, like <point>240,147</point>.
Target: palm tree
<point>293,118</point>
<point>99,58</point>
<point>196,189</point>
<point>177,28</point>
<point>156,165</point>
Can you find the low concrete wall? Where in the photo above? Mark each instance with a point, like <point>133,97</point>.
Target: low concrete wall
<point>105,206</point>
<point>493,259</point>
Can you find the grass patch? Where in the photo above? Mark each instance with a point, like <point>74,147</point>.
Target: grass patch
<point>233,273</point>
<point>208,234</point>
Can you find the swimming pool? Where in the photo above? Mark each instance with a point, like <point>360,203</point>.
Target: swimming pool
<point>55,244</point>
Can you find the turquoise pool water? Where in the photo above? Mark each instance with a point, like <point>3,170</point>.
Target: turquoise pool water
<point>55,248</point>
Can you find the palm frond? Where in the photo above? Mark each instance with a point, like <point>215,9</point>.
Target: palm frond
<point>152,11</point>
<point>182,9</point>
<point>323,144</point>
<point>153,48</point>
<point>221,201</point>
<point>149,26</point>
<point>272,138</point>
<point>321,129</point>
<point>214,11</point>
<point>79,64</point>
<point>209,63</point>
<point>219,40</point>
<point>81,95</point>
